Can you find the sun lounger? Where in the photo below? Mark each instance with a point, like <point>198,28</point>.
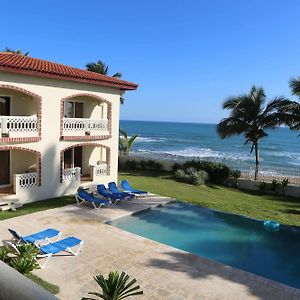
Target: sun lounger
<point>83,196</point>
<point>128,188</point>
<point>114,189</point>
<point>48,250</point>
<point>101,189</point>
<point>65,245</point>
<point>34,238</point>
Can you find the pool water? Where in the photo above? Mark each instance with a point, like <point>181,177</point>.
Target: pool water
<point>233,240</point>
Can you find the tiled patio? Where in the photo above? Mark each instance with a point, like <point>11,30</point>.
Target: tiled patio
<point>162,271</point>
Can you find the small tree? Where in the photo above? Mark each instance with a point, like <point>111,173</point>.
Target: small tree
<point>125,142</point>
<point>115,287</point>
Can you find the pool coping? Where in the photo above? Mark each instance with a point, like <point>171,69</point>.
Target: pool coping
<point>294,291</point>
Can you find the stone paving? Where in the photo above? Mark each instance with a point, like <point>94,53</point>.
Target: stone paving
<point>162,271</point>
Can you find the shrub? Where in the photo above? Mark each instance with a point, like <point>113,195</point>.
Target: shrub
<point>131,164</point>
<point>116,287</point>
<point>24,264</point>
<point>198,177</point>
<point>236,174</point>
<point>274,185</point>
<point>263,186</point>
<point>143,164</point>
<point>4,251</point>
<point>217,172</point>
<point>176,166</point>
<point>191,176</point>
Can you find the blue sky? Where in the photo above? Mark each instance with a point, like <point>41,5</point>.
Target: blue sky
<point>187,56</point>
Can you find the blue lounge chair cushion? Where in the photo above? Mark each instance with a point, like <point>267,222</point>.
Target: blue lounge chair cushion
<point>114,189</point>
<point>32,238</point>
<point>127,187</point>
<point>103,192</point>
<point>60,246</point>
<point>88,197</point>
<point>48,233</point>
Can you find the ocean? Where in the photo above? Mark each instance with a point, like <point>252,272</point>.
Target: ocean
<point>279,151</point>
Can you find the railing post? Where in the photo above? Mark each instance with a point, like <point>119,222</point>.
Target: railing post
<point>4,125</point>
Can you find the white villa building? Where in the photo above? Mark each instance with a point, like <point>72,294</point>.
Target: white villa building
<point>59,128</point>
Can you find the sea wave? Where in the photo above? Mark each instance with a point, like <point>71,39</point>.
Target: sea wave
<point>148,139</point>
<point>194,152</point>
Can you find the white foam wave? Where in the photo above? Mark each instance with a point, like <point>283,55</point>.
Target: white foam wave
<point>198,153</point>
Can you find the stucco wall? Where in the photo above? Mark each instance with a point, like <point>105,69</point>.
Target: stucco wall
<point>52,91</point>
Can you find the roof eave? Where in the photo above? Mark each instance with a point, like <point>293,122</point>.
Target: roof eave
<point>74,79</point>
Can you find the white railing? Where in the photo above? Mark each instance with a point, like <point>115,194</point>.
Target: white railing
<point>71,174</point>
<point>18,124</point>
<point>99,170</point>
<point>25,180</point>
<point>84,125</point>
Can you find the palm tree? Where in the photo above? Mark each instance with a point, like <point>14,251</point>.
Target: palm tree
<point>115,287</point>
<point>251,117</point>
<point>125,142</point>
<point>18,51</point>
<point>295,86</point>
<point>291,109</point>
<point>101,68</point>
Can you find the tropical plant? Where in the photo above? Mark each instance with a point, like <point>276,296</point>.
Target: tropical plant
<point>284,183</point>
<point>24,264</point>
<point>115,287</point>
<point>18,51</point>
<point>251,117</point>
<point>21,257</point>
<point>100,67</point>
<point>274,185</point>
<point>236,174</point>
<point>126,142</point>
<point>291,109</point>
<point>4,254</point>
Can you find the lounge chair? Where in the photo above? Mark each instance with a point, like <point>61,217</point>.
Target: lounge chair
<point>34,238</point>
<point>83,196</point>
<point>65,245</point>
<point>128,188</point>
<point>47,251</point>
<point>101,189</point>
<point>114,189</point>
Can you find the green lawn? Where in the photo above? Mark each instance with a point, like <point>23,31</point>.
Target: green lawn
<point>281,209</point>
<point>52,288</point>
<point>37,206</point>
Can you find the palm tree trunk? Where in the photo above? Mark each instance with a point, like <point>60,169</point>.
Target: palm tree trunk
<point>256,160</point>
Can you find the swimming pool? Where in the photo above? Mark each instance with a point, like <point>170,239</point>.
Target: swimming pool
<point>233,240</point>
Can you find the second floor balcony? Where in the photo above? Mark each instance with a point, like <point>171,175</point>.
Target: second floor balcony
<point>19,115</point>
<point>85,117</point>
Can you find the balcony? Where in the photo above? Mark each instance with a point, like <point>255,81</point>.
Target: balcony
<point>18,126</point>
<point>83,127</point>
<point>85,117</point>
<point>89,163</point>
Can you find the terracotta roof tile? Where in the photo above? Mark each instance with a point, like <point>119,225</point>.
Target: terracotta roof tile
<point>11,62</point>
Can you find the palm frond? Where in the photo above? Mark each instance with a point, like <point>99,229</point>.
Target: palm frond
<point>295,86</point>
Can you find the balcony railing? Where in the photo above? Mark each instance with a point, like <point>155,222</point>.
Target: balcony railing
<point>25,181</point>
<point>82,126</point>
<point>18,125</point>
<point>71,174</point>
<point>99,170</point>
